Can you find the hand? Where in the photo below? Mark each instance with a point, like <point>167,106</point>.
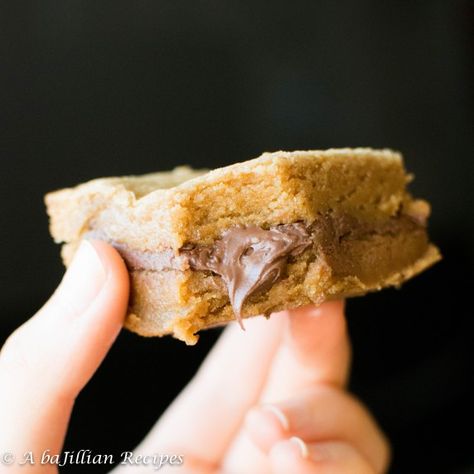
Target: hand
<point>270,399</point>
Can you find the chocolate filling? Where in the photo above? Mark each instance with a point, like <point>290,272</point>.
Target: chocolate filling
<point>251,259</point>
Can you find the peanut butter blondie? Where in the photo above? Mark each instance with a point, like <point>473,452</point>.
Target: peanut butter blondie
<point>286,229</point>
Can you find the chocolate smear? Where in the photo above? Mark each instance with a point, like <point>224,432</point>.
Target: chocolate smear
<point>249,258</point>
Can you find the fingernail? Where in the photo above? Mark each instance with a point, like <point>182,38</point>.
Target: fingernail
<point>326,307</point>
<point>279,415</point>
<point>301,446</point>
<point>83,280</point>
<point>315,311</point>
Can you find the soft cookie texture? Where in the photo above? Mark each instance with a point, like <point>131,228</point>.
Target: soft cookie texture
<point>286,229</point>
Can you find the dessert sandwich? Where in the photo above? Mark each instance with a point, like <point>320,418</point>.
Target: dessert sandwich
<point>282,230</point>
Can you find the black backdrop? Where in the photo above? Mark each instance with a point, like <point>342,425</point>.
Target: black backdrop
<point>92,89</point>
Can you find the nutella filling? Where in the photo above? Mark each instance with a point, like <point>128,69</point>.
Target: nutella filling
<point>249,259</point>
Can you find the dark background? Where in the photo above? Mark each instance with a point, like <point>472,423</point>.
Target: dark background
<point>92,89</point>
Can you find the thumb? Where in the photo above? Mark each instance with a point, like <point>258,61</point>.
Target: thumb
<point>48,360</point>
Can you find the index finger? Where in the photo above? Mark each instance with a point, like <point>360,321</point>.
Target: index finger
<point>315,350</point>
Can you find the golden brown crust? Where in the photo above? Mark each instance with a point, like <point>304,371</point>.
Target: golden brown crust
<point>276,188</point>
